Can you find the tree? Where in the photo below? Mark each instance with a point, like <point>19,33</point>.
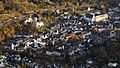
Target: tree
<point>77,3</point>
<point>2,37</point>
<point>69,4</point>
<point>63,4</point>
<point>73,36</point>
<point>40,11</point>
<point>1,6</point>
<point>12,32</point>
<point>22,9</point>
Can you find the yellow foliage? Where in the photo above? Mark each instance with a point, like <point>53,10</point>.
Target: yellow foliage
<point>82,36</point>
<point>77,4</point>
<point>40,11</point>
<point>95,29</point>
<point>1,6</point>
<point>1,36</point>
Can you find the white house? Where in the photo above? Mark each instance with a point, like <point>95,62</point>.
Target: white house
<point>112,34</point>
<point>89,9</point>
<point>2,64</point>
<point>28,20</point>
<point>2,60</point>
<point>13,46</point>
<point>25,47</point>
<point>119,4</point>
<point>39,24</point>
<point>101,17</point>
<point>37,21</point>
<point>112,64</point>
<point>53,53</point>
<point>44,36</point>
<point>95,17</point>
<point>39,39</point>
<point>61,48</point>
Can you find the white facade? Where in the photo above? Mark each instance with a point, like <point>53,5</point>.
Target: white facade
<point>37,21</point>
<point>112,64</point>
<point>101,17</point>
<point>97,18</point>
<point>119,4</point>
<point>13,46</point>
<point>53,53</point>
<point>28,20</point>
<point>39,24</point>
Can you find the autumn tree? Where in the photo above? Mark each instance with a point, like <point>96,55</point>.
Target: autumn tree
<point>2,37</point>
<point>73,36</point>
<point>69,4</point>
<point>63,4</point>
<point>1,6</point>
<point>40,11</point>
<point>7,32</point>
<point>77,3</point>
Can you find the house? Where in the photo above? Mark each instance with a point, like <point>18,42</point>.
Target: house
<point>116,24</point>
<point>25,47</point>
<point>28,20</point>
<point>95,17</point>
<point>89,9</point>
<point>36,20</point>
<point>2,64</point>
<point>2,61</point>
<point>2,58</point>
<point>39,24</point>
<point>13,46</point>
<point>119,4</point>
<point>62,47</point>
<point>56,52</point>
<point>27,44</point>
<point>112,34</point>
<point>112,64</point>
<point>101,17</point>
<point>44,36</point>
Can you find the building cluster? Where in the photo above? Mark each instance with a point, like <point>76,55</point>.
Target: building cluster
<point>67,40</point>
<point>36,19</point>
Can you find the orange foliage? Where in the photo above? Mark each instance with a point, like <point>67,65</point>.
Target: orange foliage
<point>63,4</point>
<point>73,36</point>
<point>40,11</point>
